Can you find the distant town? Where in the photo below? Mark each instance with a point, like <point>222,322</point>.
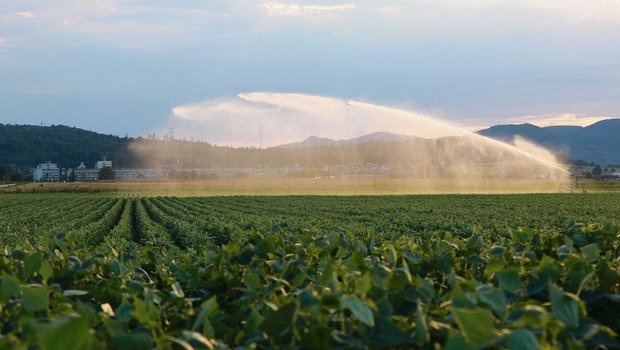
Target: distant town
<point>104,170</point>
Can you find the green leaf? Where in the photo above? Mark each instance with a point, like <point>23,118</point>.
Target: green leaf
<point>445,263</point>
<point>461,299</point>
<point>307,299</point>
<point>359,309</point>
<point>564,307</point>
<point>124,312</point>
<point>548,269</point>
<point>494,265</point>
<point>388,334</point>
<point>577,271</point>
<point>252,281</point>
<point>509,280</point>
<point>69,333</point>
<point>591,252</point>
<point>328,277</point>
<point>456,342</point>
<point>146,312</point>
<point>10,285</point>
<point>253,321</point>
<point>607,275</point>
<point>280,321</point>
<point>477,325</point>
<point>34,298</point>
<point>46,270</point>
<point>32,264</point>
<point>494,298</point>
<point>363,285</point>
<point>421,328</point>
<point>522,339</point>
<point>207,309</point>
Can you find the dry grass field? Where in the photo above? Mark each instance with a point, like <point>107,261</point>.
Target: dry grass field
<point>310,186</point>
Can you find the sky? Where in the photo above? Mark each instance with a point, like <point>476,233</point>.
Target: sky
<point>125,67</point>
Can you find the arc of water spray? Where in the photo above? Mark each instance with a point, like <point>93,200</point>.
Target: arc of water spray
<point>504,145</point>
<point>288,101</point>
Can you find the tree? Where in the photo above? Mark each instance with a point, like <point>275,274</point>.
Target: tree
<point>597,171</point>
<point>106,173</point>
<point>3,173</point>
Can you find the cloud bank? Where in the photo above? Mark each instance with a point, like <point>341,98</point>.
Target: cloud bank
<point>286,9</point>
<point>25,14</point>
<point>482,60</point>
<point>559,119</point>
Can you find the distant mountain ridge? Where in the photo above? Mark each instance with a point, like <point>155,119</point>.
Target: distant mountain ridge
<point>598,142</point>
<point>28,145</point>
<point>315,141</point>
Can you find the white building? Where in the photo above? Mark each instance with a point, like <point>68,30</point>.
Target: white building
<point>83,174</point>
<point>103,164</point>
<point>86,174</point>
<point>46,172</point>
<point>188,173</point>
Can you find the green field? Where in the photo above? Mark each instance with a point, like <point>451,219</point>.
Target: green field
<point>355,272</point>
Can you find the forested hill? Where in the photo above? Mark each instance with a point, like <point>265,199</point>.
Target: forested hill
<point>29,145</point>
<point>599,142</point>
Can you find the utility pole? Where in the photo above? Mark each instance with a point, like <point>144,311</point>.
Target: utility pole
<point>260,137</point>
<point>171,134</point>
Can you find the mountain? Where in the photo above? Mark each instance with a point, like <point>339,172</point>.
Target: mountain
<point>599,142</point>
<point>315,141</point>
<point>312,141</point>
<point>25,146</point>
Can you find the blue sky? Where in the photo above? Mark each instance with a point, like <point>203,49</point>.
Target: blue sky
<point>124,66</point>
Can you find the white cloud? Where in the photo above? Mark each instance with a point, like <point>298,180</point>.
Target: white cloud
<point>143,24</point>
<point>580,10</point>
<point>3,40</point>
<point>571,10</point>
<point>136,24</point>
<point>558,119</point>
<point>286,10</point>
<point>25,14</point>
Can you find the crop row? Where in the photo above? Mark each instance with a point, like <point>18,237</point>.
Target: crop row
<point>459,272</point>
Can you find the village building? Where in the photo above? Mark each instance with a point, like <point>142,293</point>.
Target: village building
<point>46,172</point>
<point>83,174</point>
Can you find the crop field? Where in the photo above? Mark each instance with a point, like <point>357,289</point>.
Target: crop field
<point>338,186</point>
<point>97,270</point>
